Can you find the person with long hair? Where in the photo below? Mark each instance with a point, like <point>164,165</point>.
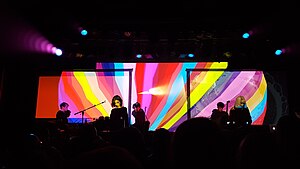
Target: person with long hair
<point>239,114</point>
<point>118,115</point>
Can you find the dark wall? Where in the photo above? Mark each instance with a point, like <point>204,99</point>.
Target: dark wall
<point>19,82</point>
<point>18,94</point>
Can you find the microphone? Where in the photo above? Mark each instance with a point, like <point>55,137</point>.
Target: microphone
<point>103,102</point>
<point>227,105</point>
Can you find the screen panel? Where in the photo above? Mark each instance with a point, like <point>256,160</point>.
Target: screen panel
<point>161,88</point>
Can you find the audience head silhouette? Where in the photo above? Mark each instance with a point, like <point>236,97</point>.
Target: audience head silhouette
<point>195,142</point>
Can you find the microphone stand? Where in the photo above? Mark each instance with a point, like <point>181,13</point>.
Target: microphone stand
<point>227,106</point>
<point>146,114</point>
<point>82,111</point>
<point>147,122</point>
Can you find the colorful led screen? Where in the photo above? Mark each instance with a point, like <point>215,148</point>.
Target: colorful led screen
<point>165,90</point>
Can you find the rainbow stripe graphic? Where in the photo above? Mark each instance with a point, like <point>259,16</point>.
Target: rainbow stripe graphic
<point>161,88</point>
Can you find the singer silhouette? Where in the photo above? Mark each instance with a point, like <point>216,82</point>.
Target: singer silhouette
<point>239,114</point>
<point>118,114</point>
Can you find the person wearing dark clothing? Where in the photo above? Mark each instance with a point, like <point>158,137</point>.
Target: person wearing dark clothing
<point>239,114</point>
<point>203,133</point>
<point>62,115</point>
<point>219,116</point>
<point>288,137</point>
<point>118,115</point>
<point>139,115</point>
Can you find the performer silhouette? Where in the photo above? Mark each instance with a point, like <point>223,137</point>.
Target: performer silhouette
<point>62,116</point>
<point>118,115</point>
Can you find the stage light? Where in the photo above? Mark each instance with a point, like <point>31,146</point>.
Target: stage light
<point>278,52</point>
<point>186,55</point>
<point>58,52</point>
<point>191,55</point>
<point>84,32</point>
<point>138,56</point>
<point>292,49</point>
<point>246,35</point>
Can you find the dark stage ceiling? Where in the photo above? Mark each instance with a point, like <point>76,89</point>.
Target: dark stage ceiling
<point>159,26</point>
